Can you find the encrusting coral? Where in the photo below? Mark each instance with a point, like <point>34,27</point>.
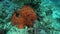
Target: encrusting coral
<point>25,17</point>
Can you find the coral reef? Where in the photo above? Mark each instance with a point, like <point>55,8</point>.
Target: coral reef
<point>45,17</point>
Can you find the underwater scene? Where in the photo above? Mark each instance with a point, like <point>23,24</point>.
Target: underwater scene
<point>29,16</point>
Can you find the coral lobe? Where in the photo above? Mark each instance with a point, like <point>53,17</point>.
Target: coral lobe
<point>26,17</point>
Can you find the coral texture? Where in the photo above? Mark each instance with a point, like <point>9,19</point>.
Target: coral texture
<point>25,17</point>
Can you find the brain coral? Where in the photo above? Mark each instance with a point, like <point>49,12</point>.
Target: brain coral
<point>25,17</point>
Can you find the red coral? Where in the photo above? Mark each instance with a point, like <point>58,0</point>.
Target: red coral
<point>26,17</point>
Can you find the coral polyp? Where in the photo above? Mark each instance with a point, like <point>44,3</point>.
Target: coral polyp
<point>25,17</point>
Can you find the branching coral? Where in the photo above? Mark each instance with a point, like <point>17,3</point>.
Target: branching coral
<point>26,16</point>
